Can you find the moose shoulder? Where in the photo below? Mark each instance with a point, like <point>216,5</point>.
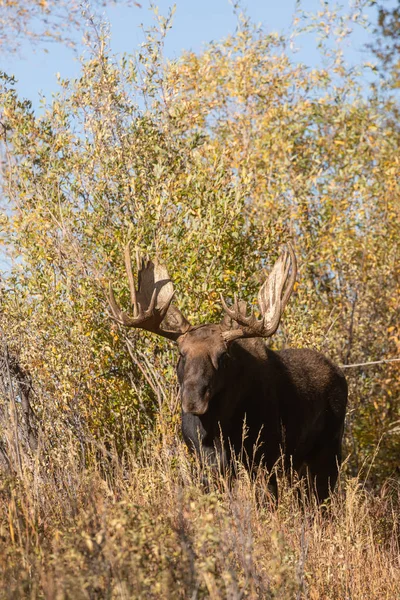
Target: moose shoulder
<point>291,402</point>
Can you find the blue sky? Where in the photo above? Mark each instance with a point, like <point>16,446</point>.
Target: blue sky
<point>196,22</point>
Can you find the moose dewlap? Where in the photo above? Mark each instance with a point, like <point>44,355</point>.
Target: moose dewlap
<point>291,402</point>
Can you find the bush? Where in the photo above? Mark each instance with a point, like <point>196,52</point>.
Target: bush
<point>209,162</point>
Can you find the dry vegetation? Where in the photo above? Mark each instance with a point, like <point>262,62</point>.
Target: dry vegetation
<point>210,163</point>
<point>141,526</point>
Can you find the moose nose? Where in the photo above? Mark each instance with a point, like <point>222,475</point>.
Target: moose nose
<point>194,409</point>
<point>195,399</point>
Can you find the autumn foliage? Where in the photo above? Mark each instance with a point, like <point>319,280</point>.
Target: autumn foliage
<point>211,163</point>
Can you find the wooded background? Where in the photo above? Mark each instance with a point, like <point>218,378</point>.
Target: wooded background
<point>210,163</point>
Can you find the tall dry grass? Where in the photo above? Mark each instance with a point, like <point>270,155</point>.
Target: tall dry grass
<point>140,525</point>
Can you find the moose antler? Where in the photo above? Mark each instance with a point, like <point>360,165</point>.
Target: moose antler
<point>151,302</point>
<point>270,301</point>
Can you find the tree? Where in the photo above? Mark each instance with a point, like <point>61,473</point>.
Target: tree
<point>43,21</point>
<point>387,43</point>
<point>210,162</point>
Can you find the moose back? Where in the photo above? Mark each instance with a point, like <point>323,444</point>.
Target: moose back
<point>291,402</point>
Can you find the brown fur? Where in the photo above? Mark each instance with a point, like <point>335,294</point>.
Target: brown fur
<point>293,401</point>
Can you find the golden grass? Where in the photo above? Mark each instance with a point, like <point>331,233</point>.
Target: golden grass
<point>141,526</point>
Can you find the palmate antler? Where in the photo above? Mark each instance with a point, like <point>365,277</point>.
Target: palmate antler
<point>270,301</point>
<point>152,307</point>
<point>151,303</point>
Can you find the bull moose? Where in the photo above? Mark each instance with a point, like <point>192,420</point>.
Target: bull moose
<point>289,403</point>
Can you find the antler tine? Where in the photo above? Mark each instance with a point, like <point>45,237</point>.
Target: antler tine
<point>113,303</point>
<point>226,308</point>
<point>128,266</point>
<point>138,260</point>
<point>240,317</point>
<point>290,284</point>
<point>152,304</point>
<point>117,314</point>
<point>235,303</point>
